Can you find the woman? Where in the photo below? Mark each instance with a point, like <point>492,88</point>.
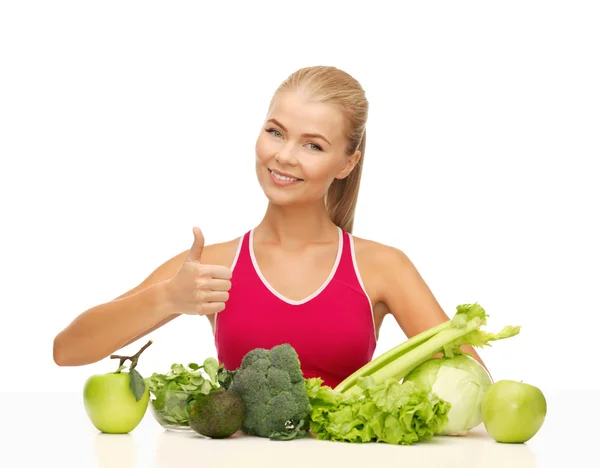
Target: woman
<point>299,276</point>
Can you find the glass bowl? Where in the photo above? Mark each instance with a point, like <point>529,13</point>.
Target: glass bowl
<point>171,408</point>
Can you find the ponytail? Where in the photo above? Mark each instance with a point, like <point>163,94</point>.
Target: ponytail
<point>342,195</point>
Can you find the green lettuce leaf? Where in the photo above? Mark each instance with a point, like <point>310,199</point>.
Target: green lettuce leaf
<point>389,412</point>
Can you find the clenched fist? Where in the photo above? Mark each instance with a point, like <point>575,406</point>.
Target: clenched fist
<point>198,288</point>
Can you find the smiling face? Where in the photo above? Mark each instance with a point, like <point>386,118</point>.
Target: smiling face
<point>301,150</point>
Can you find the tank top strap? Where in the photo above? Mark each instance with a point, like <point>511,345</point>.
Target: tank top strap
<point>242,261</point>
<point>347,271</point>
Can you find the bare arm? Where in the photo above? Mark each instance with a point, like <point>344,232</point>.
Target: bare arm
<point>184,284</point>
<point>105,328</point>
<point>410,300</point>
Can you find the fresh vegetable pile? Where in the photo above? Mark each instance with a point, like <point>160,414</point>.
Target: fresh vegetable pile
<point>372,404</point>
<point>423,387</point>
<point>269,385</point>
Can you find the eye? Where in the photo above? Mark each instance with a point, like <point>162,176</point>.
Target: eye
<point>318,148</point>
<point>271,130</point>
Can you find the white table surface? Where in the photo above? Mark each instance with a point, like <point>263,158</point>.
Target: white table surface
<point>52,429</point>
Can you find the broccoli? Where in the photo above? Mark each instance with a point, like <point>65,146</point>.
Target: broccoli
<point>274,390</point>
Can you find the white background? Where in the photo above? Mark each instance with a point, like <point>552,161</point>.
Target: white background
<point>124,124</point>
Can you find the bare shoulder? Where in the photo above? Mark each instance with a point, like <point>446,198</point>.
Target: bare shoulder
<point>222,253</point>
<point>377,263</point>
<point>381,256</point>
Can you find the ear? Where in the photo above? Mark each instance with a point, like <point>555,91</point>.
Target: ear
<point>349,166</point>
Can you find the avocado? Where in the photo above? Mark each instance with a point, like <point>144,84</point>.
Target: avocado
<point>218,415</point>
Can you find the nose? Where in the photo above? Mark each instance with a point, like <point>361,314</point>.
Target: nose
<point>287,155</point>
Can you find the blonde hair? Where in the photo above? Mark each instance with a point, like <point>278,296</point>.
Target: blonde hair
<point>331,85</point>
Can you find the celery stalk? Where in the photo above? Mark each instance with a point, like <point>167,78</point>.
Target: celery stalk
<point>448,337</point>
<point>401,366</point>
<point>390,356</point>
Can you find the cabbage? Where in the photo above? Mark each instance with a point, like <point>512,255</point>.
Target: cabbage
<point>459,380</point>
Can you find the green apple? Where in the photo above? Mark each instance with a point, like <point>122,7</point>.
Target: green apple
<point>513,412</point>
<point>116,402</point>
<point>111,405</point>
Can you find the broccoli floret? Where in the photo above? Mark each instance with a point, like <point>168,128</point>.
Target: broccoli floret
<point>283,358</point>
<point>278,409</point>
<point>272,386</point>
<point>258,354</point>
<point>278,381</point>
<point>301,397</point>
<point>249,379</point>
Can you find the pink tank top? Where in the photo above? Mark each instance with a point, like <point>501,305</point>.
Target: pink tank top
<point>332,330</point>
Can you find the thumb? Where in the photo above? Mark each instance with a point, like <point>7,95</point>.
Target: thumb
<point>195,252</point>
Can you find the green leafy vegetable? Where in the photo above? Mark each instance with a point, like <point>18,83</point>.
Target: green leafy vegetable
<point>446,338</point>
<point>459,380</point>
<point>387,412</point>
<point>225,377</point>
<point>174,392</point>
<point>211,367</point>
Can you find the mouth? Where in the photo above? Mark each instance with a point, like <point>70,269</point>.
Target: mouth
<point>283,179</point>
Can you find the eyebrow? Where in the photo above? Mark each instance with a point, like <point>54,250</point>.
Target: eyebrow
<point>312,135</point>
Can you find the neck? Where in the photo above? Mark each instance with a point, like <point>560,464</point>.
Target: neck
<point>296,226</point>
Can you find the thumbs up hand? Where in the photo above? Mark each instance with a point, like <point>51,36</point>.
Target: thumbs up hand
<point>199,288</point>
<point>195,253</point>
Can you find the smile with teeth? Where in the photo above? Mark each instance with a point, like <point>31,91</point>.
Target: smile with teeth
<point>284,178</point>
